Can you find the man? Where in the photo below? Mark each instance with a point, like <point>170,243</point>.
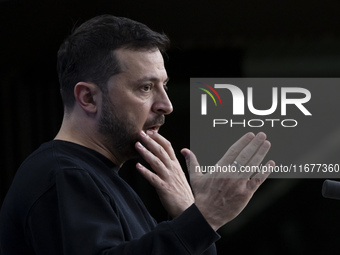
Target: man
<point>67,197</point>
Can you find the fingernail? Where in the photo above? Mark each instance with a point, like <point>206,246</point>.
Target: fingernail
<point>185,154</point>
<point>143,133</point>
<point>149,132</point>
<point>139,145</point>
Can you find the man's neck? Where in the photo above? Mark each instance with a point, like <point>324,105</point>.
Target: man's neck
<point>80,135</point>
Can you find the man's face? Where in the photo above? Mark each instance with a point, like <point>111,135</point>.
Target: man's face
<point>136,100</point>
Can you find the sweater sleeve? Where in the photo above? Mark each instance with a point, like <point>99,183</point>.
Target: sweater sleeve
<point>75,217</point>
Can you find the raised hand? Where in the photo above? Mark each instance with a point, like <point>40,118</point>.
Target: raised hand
<point>169,179</point>
<point>222,196</point>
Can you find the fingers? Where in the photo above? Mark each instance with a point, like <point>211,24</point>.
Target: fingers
<point>191,162</point>
<point>248,150</point>
<point>255,151</point>
<point>156,180</point>
<point>236,148</point>
<point>157,151</point>
<point>168,177</point>
<point>259,155</point>
<point>260,177</point>
<point>157,143</point>
<point>155,162</point>
<point>152,178</point>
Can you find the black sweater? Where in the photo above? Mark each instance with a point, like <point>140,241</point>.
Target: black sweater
<point>68,199</point>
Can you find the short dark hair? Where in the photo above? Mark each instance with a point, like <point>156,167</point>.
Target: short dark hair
<point>87,54</point>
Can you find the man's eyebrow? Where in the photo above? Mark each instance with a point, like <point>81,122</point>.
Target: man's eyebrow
<point>153,79</point>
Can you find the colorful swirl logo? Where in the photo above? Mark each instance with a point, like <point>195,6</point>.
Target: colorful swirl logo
<point>204,97</point>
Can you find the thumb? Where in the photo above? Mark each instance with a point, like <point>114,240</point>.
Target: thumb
<point>191,162</point>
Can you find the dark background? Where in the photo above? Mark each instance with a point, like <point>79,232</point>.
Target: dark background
<point>292,38</point>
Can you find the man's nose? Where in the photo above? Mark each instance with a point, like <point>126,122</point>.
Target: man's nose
<point>162,104</point>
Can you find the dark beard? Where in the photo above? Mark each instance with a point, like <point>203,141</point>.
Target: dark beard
<point>120,134</point>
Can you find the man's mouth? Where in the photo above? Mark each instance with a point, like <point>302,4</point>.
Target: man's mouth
<point>154,128</point>
<point>155,124</point>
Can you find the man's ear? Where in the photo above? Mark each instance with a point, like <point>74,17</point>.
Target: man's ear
<point>87,96</point>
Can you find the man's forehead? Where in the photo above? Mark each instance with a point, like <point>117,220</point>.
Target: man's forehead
<point>141,66</point>
<point>133,58</point>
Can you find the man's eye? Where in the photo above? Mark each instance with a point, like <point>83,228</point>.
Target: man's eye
<point>166,87</point>
<point>146,87</point>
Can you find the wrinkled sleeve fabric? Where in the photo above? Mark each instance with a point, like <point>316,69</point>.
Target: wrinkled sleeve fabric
<point>75,216</point>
